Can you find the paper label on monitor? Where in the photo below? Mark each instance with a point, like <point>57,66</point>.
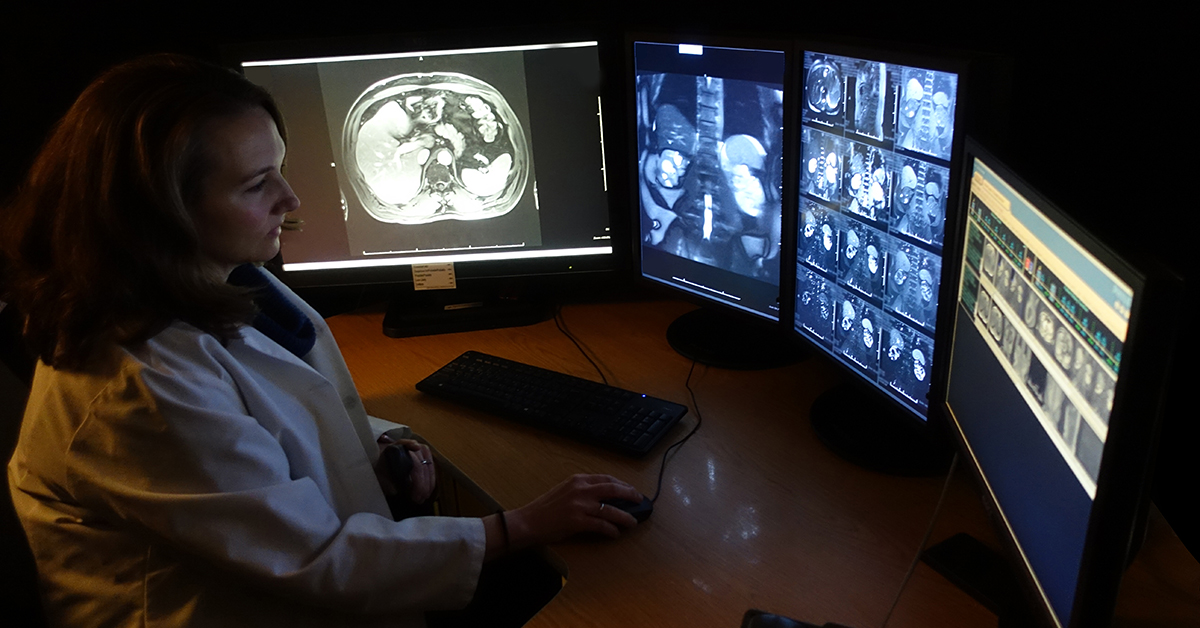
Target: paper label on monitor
<point>433,276</point>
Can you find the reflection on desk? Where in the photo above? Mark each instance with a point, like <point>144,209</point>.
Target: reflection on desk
<point>754,512</point>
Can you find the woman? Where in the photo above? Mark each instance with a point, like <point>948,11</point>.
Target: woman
<point>193,451</point>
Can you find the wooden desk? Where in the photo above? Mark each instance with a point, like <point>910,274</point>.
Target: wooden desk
<point>754,511</point>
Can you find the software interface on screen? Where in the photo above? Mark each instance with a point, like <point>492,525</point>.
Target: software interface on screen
<point>1037,350</point>
<point>875,146</point>
<point>710,168</point>
<point>445,155</point>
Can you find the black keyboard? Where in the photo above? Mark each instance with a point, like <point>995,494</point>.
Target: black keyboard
<point>596,414</point>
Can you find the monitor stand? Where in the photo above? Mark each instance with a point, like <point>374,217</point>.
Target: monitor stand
<point>860,427</point>
<point>451,311</point>
<point>983,574</point>
<point>716,339</point>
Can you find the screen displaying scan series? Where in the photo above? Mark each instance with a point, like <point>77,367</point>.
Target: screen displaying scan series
<point>1037,351</point>
<point>876,142</point>
<point>443,156</point>
<point>710,171</point>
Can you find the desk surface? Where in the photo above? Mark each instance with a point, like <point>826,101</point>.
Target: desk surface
<point>754,511</point>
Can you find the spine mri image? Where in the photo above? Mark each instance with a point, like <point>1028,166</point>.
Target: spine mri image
<point>711,170</point>
<point>425,147</point>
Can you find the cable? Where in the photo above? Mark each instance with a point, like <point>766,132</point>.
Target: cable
<point>928,532</point>
<point>700,419</point>
<point>561,323</point>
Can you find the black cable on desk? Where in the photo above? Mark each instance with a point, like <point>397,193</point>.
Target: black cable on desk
<point>561,323</point>
<point>687,383</point>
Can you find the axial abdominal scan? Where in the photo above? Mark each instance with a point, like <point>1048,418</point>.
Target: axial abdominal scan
<point>429,146</point>
<point>710,178</point>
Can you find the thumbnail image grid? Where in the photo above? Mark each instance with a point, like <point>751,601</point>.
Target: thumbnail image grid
<point>876,142</point>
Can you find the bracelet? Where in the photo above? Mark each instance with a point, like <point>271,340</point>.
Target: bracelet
<point>504,528</point>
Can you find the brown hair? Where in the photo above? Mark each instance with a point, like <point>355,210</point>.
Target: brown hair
<point>100,243</point>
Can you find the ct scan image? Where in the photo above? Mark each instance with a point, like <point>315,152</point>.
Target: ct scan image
<point>710,170</point>
<point>919,206</point>
<point>434,152</point>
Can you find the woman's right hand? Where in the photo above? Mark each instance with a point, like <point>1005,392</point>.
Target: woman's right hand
<point>572,507</point>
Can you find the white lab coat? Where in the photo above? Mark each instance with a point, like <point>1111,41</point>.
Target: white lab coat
<point>193,484</point>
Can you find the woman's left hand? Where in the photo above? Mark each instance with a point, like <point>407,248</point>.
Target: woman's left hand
<point>421,480</point>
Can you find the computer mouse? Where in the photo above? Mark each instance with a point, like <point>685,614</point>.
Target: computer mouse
<point>640,510</point>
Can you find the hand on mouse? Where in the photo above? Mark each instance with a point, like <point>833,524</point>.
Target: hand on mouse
<point>421,480</point>
<point>570,508</point>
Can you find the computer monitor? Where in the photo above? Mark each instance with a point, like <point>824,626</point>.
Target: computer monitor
<point>457,160</point>
<point>1058,356</point>
<point>709,163</point>
<point>878,153</point>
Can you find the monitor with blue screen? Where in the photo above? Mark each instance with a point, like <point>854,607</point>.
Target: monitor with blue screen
<point>1054,406</point>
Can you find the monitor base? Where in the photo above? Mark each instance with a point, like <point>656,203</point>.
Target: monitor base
<point>856,425</point>
<point>452,313</point>
<point>715,339</point>
<point>981,573</point>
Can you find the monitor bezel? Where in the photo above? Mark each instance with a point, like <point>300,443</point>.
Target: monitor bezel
<point>1122,496</point>
<point>948,62</point>
<point>754,320</point>
<point>538,272</point>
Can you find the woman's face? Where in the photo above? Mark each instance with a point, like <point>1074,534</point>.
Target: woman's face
<point>244,196</point>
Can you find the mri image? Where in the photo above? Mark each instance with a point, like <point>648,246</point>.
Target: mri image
<point>815,304</point>
<point>819,237</point>
<point>862,258</point>
<point>710,170</point>
<point>868,181</point>
<point>870,97</point>
<point>906,360</point>
<point>823,87</point>
<point>919,206</point>
<point>423,147</point>
<point>913,284</point>
<point>857,331</point>
<point>925,116</point>
<point>821,170</point>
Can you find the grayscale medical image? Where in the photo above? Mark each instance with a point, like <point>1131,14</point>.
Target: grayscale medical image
<point>711,170</point>
<point>861,259</point>
<point>423,147</point>
<point>870,98</point>
<point>925,116</point>
<point>906,360</point>
<point>823,85</point>
<point>919,207</point>
<point>815,304</point>
<point>821,170</point>
<point>819,237</point>
<point>868,181</point>
<point>913,283</point>
<point>857,331</point>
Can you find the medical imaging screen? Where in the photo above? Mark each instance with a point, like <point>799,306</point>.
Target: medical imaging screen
<point>875,151</point>
<point>709,171</point>
<point>438,156</point>
<point>1036,356</point>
